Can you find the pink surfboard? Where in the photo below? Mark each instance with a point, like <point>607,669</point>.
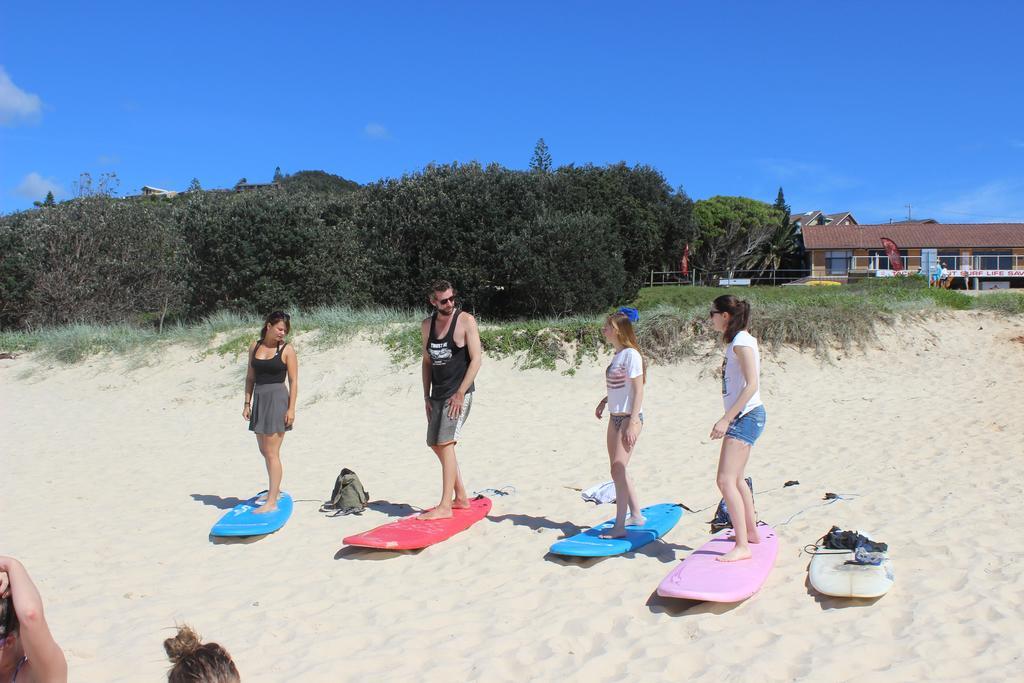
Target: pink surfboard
<point>413,533</point>
<point>702,577</point>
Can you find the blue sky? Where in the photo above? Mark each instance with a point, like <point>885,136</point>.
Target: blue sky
<point>848,106</point>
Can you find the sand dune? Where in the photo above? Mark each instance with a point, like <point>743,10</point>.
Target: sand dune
<point>114,472</point>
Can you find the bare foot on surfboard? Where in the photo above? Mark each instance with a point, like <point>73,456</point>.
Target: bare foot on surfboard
<point>735,555</point>
<point>636,520</point>
<point>615,532</point>
<point>461,503</point>
<point>265,508</point>
<point>436,513</point>
<point>752,536</point>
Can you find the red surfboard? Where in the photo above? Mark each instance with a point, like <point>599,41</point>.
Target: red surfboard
<point>413,533</point>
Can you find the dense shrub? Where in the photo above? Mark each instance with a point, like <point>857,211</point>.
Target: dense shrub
<point>16,271</point>
<point>500,234</point>
<point>258,251</point>
<point>515,243</point>
<point>97,259</point>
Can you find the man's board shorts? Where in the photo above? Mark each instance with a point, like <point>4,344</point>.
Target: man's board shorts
<point>442,429</point>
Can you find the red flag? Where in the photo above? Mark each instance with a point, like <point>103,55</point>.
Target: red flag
<point>684,263</point>
<point>893,252</point>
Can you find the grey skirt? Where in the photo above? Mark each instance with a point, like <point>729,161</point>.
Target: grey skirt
<point>269,404</point>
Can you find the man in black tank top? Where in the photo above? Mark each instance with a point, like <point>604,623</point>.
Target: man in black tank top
<point>451,359</point>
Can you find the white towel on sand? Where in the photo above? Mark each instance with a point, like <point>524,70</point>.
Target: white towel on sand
<point>600,493</point>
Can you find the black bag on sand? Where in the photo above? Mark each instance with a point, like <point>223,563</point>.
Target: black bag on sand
<point>837,539</point>
<point>348,497</point>
<point>721,520</point>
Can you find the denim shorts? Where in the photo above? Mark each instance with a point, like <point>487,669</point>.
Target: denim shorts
<point>748,427</point>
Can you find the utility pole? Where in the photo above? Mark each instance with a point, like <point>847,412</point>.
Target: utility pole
<point>909,217</point>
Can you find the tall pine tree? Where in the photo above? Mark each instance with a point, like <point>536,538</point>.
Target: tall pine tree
<point>785,249</point>
<point>541,161</point>
<point>782,207</point>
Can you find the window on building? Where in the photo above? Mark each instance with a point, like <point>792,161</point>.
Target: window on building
<point>838,262</point>
<point>878,259</point>
<point>993,260</point>
<point>951,259</point>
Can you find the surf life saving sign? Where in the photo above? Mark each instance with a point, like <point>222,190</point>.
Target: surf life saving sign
<point>986,273</point>
<point>954,273</point>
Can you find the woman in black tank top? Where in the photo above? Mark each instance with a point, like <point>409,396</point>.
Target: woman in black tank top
<point>269,401</point>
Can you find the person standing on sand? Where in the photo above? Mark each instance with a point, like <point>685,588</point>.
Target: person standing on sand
<point>451,359</point>
<point>269,404</point>
<point>743,421</point>
<point>28,652</point>
<point>624,383</point>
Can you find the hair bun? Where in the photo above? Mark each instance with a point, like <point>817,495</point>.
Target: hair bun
<point>185,643</point>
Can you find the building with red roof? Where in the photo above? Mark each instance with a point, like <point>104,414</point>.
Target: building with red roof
<point>982,254</point>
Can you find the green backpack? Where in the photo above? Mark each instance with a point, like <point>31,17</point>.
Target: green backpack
<point>348,497</point>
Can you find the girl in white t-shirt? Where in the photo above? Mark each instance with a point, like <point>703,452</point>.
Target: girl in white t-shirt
<point>624,380</point>
<point>743,420</point>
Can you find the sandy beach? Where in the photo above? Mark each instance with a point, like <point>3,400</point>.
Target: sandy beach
<point>115,469</point>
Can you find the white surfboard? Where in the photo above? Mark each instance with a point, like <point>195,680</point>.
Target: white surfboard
<point>830,574</point>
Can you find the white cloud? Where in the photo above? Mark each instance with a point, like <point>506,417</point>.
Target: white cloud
<point>376,131</point>
<point>998,201</point>
<point>35,186</point>
<point>16,105</point>
<point>108,159</point>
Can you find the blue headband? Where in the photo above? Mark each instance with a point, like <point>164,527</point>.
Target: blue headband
<point>631,313</point>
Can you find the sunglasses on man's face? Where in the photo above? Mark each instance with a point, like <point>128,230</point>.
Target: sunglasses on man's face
<point>446,300</point>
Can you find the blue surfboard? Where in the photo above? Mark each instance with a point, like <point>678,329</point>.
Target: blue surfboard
<point>660,520</point>
<point>241,521</point>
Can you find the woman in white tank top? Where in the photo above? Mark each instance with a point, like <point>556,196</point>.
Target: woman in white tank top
<point>743,420</point>
<point>624,379</point>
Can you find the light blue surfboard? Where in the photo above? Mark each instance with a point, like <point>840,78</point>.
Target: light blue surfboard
<point>240,520</point>
<point>660,520</point>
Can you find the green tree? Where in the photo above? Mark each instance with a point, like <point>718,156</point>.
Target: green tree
<point>194,186</point>
<point>781,206</point>
<point>260,251</point>
<point>278,176</point>
<point>318,181</point>
<point>541,160</point>
<point>733,233</point>
<point>784,244</point>
<point>49,201</point>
